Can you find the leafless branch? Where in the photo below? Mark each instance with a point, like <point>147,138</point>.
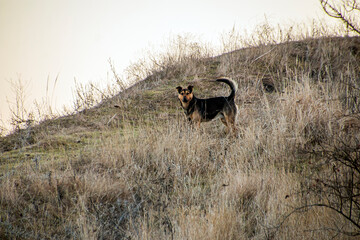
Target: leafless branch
<point>343,10</point>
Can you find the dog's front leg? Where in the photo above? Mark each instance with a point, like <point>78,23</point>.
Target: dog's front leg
<point>194,123</point>
<point>198,124</point>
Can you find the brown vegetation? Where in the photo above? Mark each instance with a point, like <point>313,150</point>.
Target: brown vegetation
<point>138,170</point>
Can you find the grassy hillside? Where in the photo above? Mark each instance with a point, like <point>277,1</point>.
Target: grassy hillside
<point>132,167</point>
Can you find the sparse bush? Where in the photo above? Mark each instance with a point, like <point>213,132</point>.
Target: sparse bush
<point>334,184</point>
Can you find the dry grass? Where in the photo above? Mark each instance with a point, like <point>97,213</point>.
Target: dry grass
<point>139,171</point>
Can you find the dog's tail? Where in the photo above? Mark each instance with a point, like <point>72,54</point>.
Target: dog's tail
<point>232,85</point>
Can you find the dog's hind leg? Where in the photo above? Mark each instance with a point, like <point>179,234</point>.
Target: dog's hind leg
<point>229,121</point>
<point>225,122</point>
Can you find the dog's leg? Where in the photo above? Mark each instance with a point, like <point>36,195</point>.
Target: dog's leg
<point>224,121</point>
<point>230,121</point>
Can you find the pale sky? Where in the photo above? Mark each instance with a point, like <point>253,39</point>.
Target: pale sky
<point>40,39</point>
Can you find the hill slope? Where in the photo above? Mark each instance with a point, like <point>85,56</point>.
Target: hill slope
<point>132,168</point>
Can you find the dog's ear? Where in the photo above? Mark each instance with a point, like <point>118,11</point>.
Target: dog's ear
<point>190,88</point>
<point>179,89</point>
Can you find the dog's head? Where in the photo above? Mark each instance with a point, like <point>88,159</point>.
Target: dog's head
<point>185,95</point>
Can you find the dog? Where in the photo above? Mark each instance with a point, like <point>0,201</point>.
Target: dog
<point>203,110</point>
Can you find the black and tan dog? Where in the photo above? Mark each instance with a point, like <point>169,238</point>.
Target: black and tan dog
<point>203,110</point>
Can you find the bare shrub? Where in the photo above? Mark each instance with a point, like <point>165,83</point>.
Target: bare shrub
<point>347,11</point>
<point>334,184</point>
